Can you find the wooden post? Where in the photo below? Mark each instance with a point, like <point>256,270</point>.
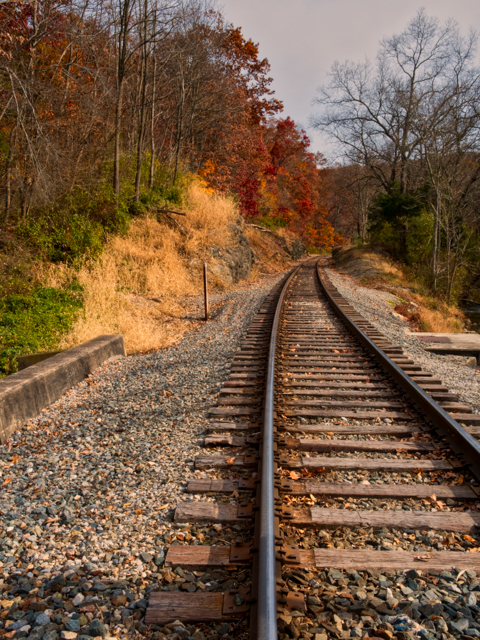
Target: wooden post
<point>205,289</point>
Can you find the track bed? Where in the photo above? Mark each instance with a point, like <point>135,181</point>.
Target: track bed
<point>372,516</point>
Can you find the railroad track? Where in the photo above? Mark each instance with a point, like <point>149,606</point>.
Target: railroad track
<point>335,456</point>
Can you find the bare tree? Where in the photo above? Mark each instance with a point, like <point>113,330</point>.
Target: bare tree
<point>447,125</point>
<point>371,109</point>
<point>136,24</point>
<point>412,119</point>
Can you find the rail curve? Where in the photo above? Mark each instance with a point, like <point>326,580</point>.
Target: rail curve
<point>314,377</point>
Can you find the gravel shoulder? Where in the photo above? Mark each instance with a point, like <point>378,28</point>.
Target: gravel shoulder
<point>89,487</point>
<point>376,307</point>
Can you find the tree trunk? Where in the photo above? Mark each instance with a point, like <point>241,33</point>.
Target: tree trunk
<point>451,280</point>
<point>141,128</point>
<point>152,124</point>
<point>123,56</point>
<point>179,131</point>
<point>435,250</point>
<point>8,176</point>
<point>118,124</point>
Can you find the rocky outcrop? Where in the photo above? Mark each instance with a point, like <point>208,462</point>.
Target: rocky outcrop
<point>262,247</point>
<point>293,245</point>
<point>240,254</point>
<point>297,248</point>
<point>234,262</point>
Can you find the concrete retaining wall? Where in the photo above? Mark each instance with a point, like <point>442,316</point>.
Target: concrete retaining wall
<point>24,394</point>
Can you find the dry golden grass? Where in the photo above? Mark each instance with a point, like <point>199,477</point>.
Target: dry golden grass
<point>443,319</point>
<point>137,286</point>
<point>365,264</point>
<point>209,217</point>
<point>376,270</point>
<point>109,309</point>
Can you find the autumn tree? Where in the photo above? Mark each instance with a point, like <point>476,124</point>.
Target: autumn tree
<point>102,101</point>
<point>52,100</point>
<point>348,196</point>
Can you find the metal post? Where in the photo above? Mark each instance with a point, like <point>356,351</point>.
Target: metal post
<point>205,289</point>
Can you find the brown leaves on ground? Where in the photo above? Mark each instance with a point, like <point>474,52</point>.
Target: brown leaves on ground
<point>311,474</point>
<point>424,558</point>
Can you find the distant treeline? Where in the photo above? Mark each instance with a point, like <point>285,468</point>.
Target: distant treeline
<point>106,105</point>
<point>408,128</point>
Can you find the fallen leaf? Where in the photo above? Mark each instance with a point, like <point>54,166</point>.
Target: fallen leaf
<point>469,538</point>
<point>229,460</point>
<point>6,481</point>
<point>424,558</point>
<point>294,475</point>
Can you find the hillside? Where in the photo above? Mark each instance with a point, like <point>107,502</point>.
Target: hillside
<point>146,283</point>
<point>371,267</point>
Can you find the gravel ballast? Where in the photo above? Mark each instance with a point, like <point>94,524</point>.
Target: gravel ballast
<point>374,305</point>
<point>89,487</point>
<point>89,490</point>
<point>387,604</point>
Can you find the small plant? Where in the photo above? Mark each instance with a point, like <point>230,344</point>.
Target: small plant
<point>272,223</point>
<point>35,321</point>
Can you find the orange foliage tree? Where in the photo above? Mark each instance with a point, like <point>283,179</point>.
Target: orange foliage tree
<point>195,96</point>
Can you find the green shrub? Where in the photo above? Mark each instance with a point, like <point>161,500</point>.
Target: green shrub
<point>272,223</point>
<point>35,322</point>
<point>419,239</point>
<point>76,225</point>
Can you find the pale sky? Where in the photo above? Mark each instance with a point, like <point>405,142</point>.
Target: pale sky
<point>302,38</point>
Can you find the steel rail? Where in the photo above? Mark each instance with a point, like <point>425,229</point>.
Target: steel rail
<point>267,593</point>
<point>461,441</point>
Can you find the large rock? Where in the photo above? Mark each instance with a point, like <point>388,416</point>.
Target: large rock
<point>297,249</point>
<point>234,262</point>
<point>239,255</point>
